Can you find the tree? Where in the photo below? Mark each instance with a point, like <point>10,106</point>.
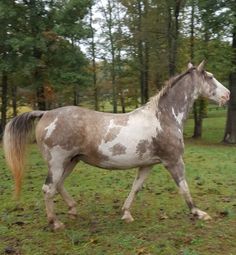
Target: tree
<point>230,129</point>
<point>207,31</point>
<point>173,10</point>
<point>93,55</point>
<point>110,19</point>
<point>148,27</point>
<point>199,106</point>
<point>8,51</point>
<point>43,36</point>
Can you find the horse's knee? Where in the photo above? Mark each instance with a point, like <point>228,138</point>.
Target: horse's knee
<point>49,190</point>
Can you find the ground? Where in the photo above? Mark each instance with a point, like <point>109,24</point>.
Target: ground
<point>162,223</point>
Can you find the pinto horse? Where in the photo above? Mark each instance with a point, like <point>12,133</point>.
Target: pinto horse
<point>149,135</point>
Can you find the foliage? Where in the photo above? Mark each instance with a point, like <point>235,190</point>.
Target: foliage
<point>42,39</point>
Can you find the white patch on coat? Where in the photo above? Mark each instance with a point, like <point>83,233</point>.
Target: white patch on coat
<point>183,187</point>
<point>50,128</point>
<point>158,125</point>
<point>46,188</point>
<point>179,117</point>
<point>58,158</point>
<point>140,127</point>
<point>185,97</point>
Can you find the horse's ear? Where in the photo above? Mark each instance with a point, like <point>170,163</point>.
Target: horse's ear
<point>200,68</point>
<point>190,65</point>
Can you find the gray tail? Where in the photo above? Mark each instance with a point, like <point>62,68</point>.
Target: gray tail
<point>15,138</point>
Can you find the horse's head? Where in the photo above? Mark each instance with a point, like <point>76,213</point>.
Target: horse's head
<point>209,87</point>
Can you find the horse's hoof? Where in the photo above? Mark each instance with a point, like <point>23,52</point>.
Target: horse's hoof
<point>127,217</point>
<point>57,225</point>
<point>206,217</point>
<point>72,212</point>
<point>201,215</point>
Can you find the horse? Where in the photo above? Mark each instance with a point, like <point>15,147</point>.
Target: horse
<point>151,134</point>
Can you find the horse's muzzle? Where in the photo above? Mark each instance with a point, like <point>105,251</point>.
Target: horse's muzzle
<point>224,99</point>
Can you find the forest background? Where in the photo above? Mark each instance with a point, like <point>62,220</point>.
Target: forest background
<point>111,55</point>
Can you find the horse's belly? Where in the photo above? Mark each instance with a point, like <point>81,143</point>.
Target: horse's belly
<point>127,163</point>
<point>120,161</point>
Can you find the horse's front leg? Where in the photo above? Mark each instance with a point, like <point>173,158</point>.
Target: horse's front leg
<point>137,185</point>
<point>177,170</point>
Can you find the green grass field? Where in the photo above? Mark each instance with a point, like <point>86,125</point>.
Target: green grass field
<point>162,223</point>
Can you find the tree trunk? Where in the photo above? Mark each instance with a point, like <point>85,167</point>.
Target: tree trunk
<point>169,36</point>
<point>113,70</point>
<point>192,32</point>
<point>41,100</point>
<point>140,54</point>
<point>230,129</point>
<point>76,95</point>
<point>93,49</point>
<point>14,99</point>
<point>173,34</point>
<point>197,133</point>
<point>122,101</point>
<point>4,101</point>
<point>146,73</point>
<point>176,34</point>
<point>201,110</point>
<point>146,57</point>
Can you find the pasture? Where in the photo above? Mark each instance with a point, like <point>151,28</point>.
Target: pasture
<point>162,223</point>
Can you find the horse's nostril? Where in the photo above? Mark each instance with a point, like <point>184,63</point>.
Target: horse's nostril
<point>226,97</point>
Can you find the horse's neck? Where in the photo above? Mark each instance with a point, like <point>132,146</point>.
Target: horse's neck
<point>178,100</point>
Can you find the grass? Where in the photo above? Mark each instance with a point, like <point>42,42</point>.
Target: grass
<point>162,223</point>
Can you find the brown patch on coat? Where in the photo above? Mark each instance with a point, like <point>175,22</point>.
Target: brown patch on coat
<point>142,147</point>
<point>168,145</point>
<point>118,149</point>
<point>112,134</point>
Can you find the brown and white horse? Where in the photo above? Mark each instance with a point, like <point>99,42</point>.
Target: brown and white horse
<point>149,135</point>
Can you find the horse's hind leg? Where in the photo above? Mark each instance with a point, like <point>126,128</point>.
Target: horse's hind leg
<point>58,160</point>
<point>137,185</point>
<point>178,173</point>
<point>61,189</point>
<point>59,169</point>
<point>50,190</point>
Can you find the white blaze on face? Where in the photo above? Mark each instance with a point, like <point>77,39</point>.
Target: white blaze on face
<point>221,91</point>
<point>50,128</point>
<point>179,117</point>
<point>221,94</point>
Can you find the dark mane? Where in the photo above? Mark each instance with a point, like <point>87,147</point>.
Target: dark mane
<point>169,84</point>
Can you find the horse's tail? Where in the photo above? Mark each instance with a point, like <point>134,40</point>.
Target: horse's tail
<point>16,135</point>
